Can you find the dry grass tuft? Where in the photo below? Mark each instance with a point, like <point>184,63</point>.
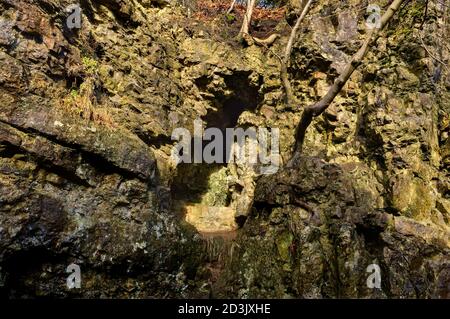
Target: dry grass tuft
<point>83,104</point>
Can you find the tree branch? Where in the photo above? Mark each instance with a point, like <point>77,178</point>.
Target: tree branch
<point>247,18</point>
<point>287,55</point>
<point>266,42</point>
<point>318,108</point>
<point>231,7</point>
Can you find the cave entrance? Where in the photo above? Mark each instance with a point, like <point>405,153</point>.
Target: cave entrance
<point>203,192</point>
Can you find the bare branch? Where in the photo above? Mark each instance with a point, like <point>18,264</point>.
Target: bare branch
<point>247,18</point>
<point>302,16</point>
<point>431,54</point>
<point>231,7</point>
<point>244,33</point>
<point>318,108</point>
<point>268,41</point>
<point>287,55</point>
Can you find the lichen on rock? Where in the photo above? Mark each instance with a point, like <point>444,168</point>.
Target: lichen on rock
<point>86,174</point>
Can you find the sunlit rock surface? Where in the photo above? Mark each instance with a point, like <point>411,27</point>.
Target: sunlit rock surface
<point>86,175</point>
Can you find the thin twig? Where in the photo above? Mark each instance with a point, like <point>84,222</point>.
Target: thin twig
<point>287,55</point>
<point>431,54</point>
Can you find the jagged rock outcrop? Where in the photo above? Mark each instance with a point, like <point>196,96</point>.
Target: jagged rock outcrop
<point>372,185</point>
<point>86,177</point>
<point>80,184</point>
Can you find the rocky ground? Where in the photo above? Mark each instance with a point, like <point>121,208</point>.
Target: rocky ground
<point>86,177</point>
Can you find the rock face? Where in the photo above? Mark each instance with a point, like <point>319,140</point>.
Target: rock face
<point>86,175</point>
<point>77,184</point>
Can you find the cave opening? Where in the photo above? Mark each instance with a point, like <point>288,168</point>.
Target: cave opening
<point>203,188</point>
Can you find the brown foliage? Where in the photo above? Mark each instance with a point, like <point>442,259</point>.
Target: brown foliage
<point>208,10</point>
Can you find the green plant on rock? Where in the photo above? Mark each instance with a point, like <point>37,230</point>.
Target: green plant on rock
<point>230,18</point>
<point>82,102</point>
<point>74,93</point>
<point>90,65</point>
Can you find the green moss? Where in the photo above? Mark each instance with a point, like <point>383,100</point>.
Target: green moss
<point>404,31</point>
<point>217,194</point>
<point>230,17</point>
<point>417,10</point>
<point>74,93</point>
<point>284,241</point>
<point>90,65</point>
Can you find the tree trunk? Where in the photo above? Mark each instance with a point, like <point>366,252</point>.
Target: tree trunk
<point>318,108</point>
<point>231,7</point>
<point>247,18</point>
